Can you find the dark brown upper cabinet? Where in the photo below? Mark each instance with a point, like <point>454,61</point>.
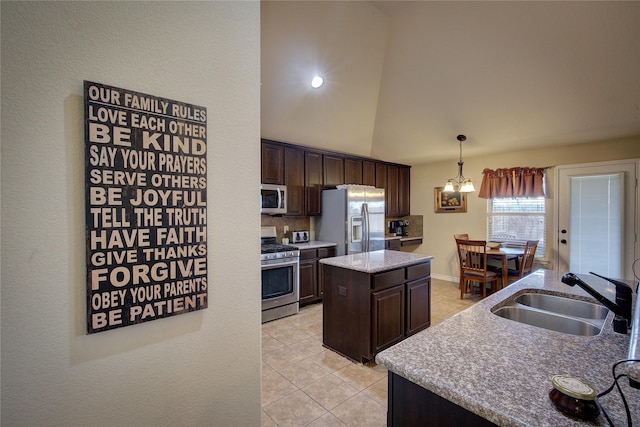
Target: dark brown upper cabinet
<point>395,179</point>
<point>294,180</point>
<point>404,191</point>
<point>368,173</point>
<point>313,182</point>
<point>306,171</point>
<point>333,170</point>
<point>272,161</point>
<point>353,171</point>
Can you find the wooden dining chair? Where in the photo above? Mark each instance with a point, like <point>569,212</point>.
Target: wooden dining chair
<point>472,255</point>
<point>525,264</point>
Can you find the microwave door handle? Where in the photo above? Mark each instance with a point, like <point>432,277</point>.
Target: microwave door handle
<point>365,232</point>
<point>279,198</point>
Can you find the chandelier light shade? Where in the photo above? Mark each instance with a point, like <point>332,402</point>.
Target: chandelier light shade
<point>459,183</point>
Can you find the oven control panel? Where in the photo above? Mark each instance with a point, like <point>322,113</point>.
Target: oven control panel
<point>301,236</point>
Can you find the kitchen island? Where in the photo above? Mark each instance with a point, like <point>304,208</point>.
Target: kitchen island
<point>374,300</point>
<point>477,368</point>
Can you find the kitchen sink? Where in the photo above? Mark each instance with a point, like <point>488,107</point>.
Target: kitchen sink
<point>548,320</point>
<point>562,305</point>
<point>556,313</point>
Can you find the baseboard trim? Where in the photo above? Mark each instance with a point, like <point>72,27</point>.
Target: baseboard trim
<point>445,278</point>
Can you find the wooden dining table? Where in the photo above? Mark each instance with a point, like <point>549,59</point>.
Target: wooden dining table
<point>504,255</point>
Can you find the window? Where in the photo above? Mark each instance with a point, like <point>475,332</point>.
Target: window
<point>513,220</point>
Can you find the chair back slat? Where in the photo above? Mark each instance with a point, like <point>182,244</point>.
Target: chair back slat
<point>473,255</point>
<point>527,258</point>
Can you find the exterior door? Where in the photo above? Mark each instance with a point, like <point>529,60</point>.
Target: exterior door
<point>597,218</point>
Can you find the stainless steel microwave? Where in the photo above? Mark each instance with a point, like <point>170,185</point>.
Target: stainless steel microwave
<point>273,199</point>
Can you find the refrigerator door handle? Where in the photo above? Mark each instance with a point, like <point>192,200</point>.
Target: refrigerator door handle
<point>365,232</point>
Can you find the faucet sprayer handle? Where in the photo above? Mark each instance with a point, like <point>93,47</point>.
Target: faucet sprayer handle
<point>620,286</point>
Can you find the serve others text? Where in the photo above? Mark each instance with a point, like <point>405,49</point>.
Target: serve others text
<point>146,207</point>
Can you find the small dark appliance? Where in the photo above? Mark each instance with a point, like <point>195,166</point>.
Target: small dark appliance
<point>399,227</point>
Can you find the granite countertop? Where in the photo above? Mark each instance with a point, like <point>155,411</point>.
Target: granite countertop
<point>376,261</point>
<point>314,244</point>
<point>501,369</point>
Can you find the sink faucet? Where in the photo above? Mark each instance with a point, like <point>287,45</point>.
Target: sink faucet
<point>622,306</point>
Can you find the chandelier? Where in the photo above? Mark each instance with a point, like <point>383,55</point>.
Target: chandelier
<point>459,183</point>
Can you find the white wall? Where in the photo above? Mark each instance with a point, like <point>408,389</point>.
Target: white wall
<point>201,368</point>
<point>439,228</point>
<point>342,40</point>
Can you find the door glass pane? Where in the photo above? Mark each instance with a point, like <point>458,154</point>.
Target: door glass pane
<point>277,282</point>
<point>595,230</point>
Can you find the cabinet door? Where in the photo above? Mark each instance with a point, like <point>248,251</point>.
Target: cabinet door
<point>392,244</point>
<point>418,305</point>
<point>272,163</point>
<point>387,313</point>
<point>352,171</point>
<point>368,173</point>
<point>333,170</point>
<point>381,175</point>
<point>294,180</point>
<point>404,190</point>
<point>313,182</point>
<point>323,253</point>
<point>308,281</point>
<point>392,190</point>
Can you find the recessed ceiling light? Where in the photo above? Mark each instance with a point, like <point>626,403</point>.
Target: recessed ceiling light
<point>316,82</point>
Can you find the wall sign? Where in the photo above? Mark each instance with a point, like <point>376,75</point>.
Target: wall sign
<point>146,207</point>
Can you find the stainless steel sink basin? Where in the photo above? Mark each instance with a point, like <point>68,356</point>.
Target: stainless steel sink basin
<point>548,320</point>
<point>556,313</point>
<point>566,306</point>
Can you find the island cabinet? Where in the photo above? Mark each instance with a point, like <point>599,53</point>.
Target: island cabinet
<point>365,313</point>
<point>411,405</point>
<point>311,289</point>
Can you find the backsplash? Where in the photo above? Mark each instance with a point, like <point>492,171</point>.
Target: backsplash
<point>415,225</point>
<point>293,222</point>
<point>305,223</point>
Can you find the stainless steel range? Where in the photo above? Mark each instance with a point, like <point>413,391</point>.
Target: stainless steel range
<point>280,265</point>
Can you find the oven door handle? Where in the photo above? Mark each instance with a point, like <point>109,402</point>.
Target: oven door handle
<point>279,264</point>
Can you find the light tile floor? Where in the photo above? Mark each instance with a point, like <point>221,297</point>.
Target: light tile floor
<point>305,384</point>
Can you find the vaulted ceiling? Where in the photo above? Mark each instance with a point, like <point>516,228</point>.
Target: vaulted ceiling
<point>402,79</point>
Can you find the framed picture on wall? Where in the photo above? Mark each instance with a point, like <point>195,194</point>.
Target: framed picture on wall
<point>449,202</point>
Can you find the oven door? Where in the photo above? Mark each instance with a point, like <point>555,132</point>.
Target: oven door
<point>279,283</point>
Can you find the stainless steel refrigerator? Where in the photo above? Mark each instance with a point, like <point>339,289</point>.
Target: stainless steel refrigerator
<point>352,217</point>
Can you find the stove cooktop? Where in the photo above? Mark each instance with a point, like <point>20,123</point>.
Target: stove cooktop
<point>270,248</point>
<point>272,253</point>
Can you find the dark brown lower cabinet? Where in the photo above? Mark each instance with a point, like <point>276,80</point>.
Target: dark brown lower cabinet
<point>387,309</point>
<point>365,313</point>
<point>311,290</point>
<point>419,313</point>
<point>411,405</point>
